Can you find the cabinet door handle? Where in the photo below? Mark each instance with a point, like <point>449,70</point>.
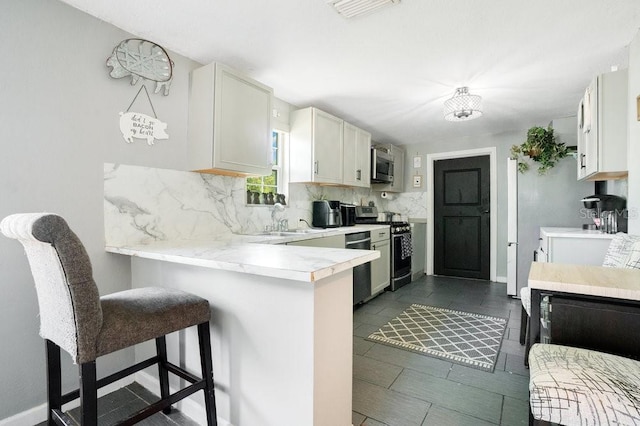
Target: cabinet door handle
<point>582,165</point>
<point>315,167</point>
<point>358,174</point>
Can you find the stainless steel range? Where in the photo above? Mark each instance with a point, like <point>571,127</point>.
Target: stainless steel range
<point>401,247</point>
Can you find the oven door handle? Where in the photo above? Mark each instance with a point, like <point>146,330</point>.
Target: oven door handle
<point>404,276</point>
<point>400,235</point>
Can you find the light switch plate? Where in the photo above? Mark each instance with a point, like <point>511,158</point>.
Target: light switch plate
<point>417,181</point>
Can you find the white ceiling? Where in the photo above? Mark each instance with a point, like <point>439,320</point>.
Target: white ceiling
<point>391,71</point>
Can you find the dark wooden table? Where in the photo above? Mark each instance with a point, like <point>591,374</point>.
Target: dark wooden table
<point>595,307</point>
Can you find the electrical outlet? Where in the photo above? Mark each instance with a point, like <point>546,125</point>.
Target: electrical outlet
<point>417,181</point>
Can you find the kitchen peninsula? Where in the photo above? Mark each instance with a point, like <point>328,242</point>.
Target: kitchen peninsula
<point>281,314</point>
<point>281,325</point>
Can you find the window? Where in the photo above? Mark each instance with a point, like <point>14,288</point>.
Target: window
<point>270,189</point>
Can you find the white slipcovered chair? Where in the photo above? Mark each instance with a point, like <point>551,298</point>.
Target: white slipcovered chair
<point>573,386</point>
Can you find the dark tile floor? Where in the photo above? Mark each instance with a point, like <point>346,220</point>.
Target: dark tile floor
<point>395,387</point>
<point>126,401</point>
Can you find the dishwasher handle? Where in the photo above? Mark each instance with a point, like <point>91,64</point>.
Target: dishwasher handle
<point>352,243</point>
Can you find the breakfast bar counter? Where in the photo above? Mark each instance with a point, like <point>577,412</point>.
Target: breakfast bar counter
<point>281,326</point>
<point>264,255</point>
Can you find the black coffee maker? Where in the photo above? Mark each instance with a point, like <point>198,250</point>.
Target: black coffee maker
<point>609,212</point>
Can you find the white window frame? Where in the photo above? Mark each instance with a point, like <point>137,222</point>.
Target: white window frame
<point>281,170</point>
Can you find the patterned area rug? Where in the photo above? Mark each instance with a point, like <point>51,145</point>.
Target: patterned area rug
<point>469,339</point>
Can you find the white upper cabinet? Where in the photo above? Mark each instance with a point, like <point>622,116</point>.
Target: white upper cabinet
<point>315,147</point>
<point>397,185</point>
<point>229,122</point>
<point>357,156</point>
<point>602,128</point>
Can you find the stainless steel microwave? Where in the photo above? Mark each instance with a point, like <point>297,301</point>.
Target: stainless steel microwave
<point>381,166</point>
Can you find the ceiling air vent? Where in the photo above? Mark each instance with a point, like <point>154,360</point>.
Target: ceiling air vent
<point>351,8</point>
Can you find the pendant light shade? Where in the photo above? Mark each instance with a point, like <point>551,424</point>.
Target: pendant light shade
<point>462,106</point>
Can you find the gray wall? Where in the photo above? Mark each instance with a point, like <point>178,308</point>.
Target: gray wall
<point>503,143</point>
<point>58,125</point>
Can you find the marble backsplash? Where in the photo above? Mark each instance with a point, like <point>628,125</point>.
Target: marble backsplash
<point>143,205</point>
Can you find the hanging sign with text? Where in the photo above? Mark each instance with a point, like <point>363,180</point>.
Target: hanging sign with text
<point>141,126</point>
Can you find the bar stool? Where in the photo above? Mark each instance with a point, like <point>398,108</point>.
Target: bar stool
<point>75,318</point>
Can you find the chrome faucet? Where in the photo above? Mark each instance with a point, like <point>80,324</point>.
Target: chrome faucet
<point>277,225</point>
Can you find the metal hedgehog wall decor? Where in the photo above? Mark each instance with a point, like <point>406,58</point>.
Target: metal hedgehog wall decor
<point>142,58</point>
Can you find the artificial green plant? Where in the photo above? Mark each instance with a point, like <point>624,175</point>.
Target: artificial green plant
<point>541,146</point>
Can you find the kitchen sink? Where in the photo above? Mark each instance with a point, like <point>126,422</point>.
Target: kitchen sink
<point>290,232</point>
<point>304,231</point>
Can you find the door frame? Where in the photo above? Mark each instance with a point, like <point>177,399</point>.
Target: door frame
<point>493,201</point>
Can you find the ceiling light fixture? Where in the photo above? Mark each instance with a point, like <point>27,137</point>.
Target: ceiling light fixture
<point>351,8</point>
<point>462,106</point>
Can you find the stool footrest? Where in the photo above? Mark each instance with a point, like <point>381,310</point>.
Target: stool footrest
<point>75,394</point>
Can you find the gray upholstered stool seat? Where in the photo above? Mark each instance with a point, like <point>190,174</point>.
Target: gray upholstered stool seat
<point>572,386</point>
<point>75,318</point>
<point>133,316</point>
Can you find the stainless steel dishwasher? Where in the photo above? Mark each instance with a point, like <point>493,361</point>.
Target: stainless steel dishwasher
<point>361,273</point>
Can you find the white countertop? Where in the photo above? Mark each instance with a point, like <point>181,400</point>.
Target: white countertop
<point>574,233</point>
<point>265,255</point>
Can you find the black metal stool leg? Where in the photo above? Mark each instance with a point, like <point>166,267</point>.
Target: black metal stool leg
<point>163,373</point>
<point>204,337</point>
<point>54,380</point>
<point>88,394</point>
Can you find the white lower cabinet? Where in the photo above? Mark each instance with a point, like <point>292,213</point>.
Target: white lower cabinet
<point>573,245</point>
<point>333,241</point>
<point>381,267</point>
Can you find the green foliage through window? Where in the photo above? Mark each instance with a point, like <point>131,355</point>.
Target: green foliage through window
<point>271,184</point>
<point>263,184</point>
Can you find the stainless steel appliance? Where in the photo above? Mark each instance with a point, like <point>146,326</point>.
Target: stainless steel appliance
<point>381,166</point>
<point>348,214</point>
<point>361,273</point>
<point>401,245</point>
<point>326,214</point>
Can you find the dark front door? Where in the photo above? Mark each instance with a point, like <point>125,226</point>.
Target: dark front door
<point>461,217</point>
